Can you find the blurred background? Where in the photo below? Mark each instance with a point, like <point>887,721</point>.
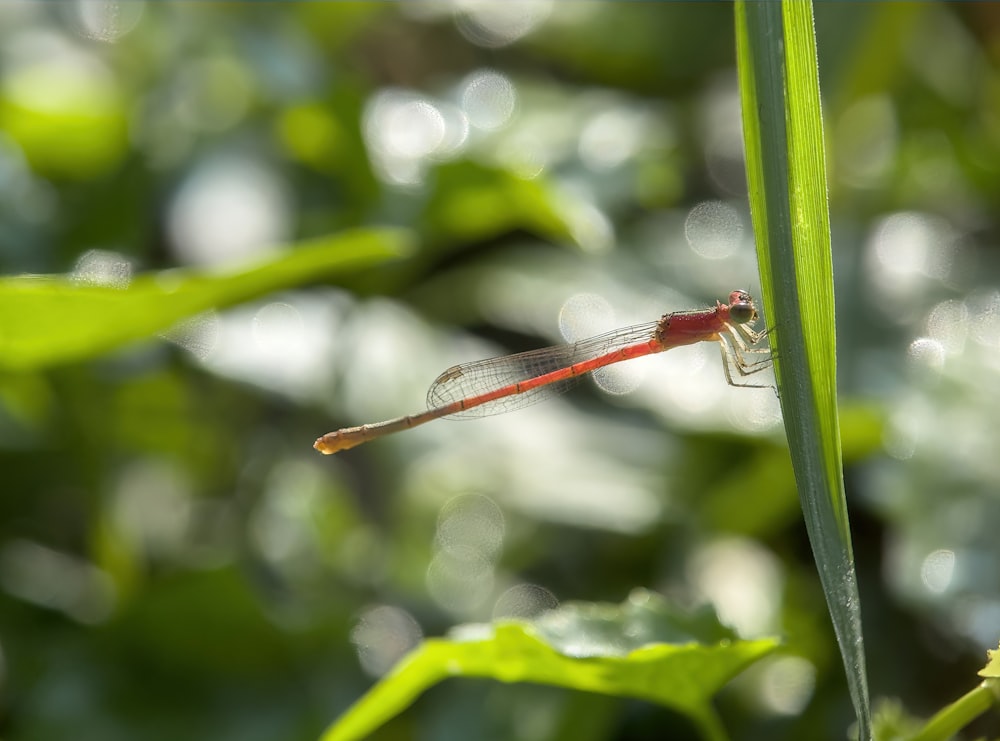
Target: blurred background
<point>176,560</point>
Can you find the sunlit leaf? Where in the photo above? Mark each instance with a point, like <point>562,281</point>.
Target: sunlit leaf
<point>48,320</point>
<point>640,649</point>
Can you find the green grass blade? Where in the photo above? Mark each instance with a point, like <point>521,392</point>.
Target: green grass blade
<point>640,649</point>
<point>45,320</point>
<point>786,172</point>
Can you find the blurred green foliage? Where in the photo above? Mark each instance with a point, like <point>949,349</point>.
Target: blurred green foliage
<point>175,559</point>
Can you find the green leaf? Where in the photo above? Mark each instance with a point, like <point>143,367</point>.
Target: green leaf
<point>786,171</point>
<point>473,202</point>
<point>68,123</point>
<point>639,649</point>
<point>992,668</point>
<point>46,320</point>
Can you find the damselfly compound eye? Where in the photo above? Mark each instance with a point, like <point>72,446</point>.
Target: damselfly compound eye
<point>743,313</point>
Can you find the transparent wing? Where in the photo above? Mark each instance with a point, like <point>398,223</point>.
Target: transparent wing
<point>483,376</point>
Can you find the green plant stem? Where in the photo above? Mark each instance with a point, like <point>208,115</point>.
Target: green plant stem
<point>960,713</point>
<point>710,726</point>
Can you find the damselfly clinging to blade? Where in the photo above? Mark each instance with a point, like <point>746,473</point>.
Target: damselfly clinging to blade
<point>514,381</point>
